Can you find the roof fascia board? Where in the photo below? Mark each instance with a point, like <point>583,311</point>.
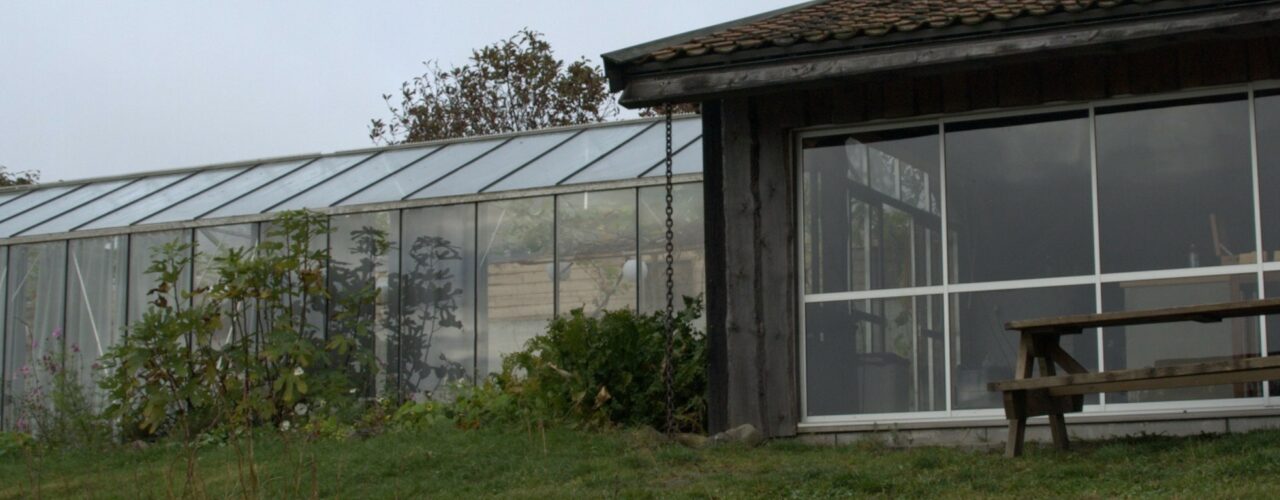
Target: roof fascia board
<point>717,82</point>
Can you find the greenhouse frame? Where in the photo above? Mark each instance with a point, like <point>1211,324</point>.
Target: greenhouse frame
<point>531,224</point>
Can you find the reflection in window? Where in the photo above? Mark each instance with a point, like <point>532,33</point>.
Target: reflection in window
<point>690,263</point>
<point>983,351</point>
<point>365,259</point>
<point>516,295</point>
<point>875,356</point>
<point>596,251</point>
<point>872,211</point>
<point>1175,184</point>
<point>1267,117</point>
<point>34,322</point>
<point>212,242</point>
<point>143,249</point>
<point>95,306</point>
<point>1172,344</point>
<point>437,282</point>
<point>1019,198</point>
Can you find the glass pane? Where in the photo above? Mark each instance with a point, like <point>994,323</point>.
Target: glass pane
<point>569,157</point>
<point>1019,198</point>
<point>516,295</point>
<point>143,249</point>
<point>342,185</point>
<point>119,198</point>
<point>10,196</point>
<point>32,199</point>
<point>872,211</point>
<point>161,199</point>
<point>4,302</point>
<point>208,200</point>
<point>357,265</point>
<point>875,356</point>
<point>33,325</point>
<point>638,155</point>
<point>1272,289</point>
<point>596,244</point>
<point>212,242</point>
<point>95,306</point>
<point>1174,186</point>
<point>1267,117</point>
<point>1170,344</point>
<point>983,351</point>
<point>690,265</point>
<point>316,308</point>
<point>437,273</point>
<point>66,202</point>
<point>294,183</point>
<point>491,167</point>
<point>423,173</point>
<point>686,161</point>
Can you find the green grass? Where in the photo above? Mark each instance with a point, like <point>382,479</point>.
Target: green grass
<point>445,462</point>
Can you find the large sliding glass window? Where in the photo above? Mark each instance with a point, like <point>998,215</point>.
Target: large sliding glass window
<point>1174,185</point>
<point>437,284</point>
<point>365,250</point>
<point>596,251</point>
<point>96,273</point>
<point>1019,198</point>
<point>34,329</point>
<point>515,268</point>
<point>1115,207</point>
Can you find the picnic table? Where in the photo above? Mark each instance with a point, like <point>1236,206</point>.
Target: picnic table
<point>1054,395</point>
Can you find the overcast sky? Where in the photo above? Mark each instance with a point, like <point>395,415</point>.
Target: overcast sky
<point>95,88</point>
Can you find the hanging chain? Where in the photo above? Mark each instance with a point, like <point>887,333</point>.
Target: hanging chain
<point>668,365</point>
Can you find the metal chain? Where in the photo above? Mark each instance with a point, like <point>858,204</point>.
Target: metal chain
<point>668,368</point>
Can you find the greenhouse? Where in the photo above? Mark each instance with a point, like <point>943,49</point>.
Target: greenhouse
<point>521,226</point>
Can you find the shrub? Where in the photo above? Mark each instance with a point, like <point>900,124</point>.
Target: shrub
<point>607,370</point>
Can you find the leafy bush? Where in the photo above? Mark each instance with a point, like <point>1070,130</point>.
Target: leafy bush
<point>606,370</point>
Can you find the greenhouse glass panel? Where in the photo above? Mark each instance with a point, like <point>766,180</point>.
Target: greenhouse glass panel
<point>365,253</point>
<point>117,199</point>
<point>143,249</point>
<point>516,293</point>
<point>875,356</point>
<point>423,172</point>
<point>10,196</point>
<point>569,157</point>
<point>686,161</point>
<point>492,166</point>
<point>162,199</point>
<point>57,207</point>
<point>316,308</point>
<point>4,303</point>
<point>265,197</point>
<point>345,184</point>
<point>1267,116</point>
<point>596,251</point>
<point>638,155</point>
<point>690,264</point>
<point>236,186</point>
<point>437,280</point>
<point>33,324</point>
<point>96,274</point>
<point>32,199</point>
<point>212,242</point>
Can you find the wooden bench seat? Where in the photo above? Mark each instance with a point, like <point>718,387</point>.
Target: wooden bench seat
<point>1054,395</point>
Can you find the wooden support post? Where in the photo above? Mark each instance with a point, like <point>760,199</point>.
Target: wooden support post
<point>1015,402</point>
<point>1046,346</point>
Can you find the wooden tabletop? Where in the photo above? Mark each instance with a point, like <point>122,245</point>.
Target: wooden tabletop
<point>1206,313</point>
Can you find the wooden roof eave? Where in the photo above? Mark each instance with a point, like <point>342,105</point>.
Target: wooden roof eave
<point>696,84</point>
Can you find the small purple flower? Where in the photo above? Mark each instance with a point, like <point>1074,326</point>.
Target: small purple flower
<point>57,333</point>
<point>75,348</point>
<point>26,370</point>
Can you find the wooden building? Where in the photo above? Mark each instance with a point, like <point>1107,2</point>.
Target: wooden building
<point>887,182</point>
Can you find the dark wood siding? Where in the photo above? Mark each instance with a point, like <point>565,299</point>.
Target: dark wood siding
<point>753,316</point>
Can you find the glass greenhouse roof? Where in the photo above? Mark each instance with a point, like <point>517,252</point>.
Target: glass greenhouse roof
<point>457,168</point>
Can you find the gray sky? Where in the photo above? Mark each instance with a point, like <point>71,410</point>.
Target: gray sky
<point>92,88</point>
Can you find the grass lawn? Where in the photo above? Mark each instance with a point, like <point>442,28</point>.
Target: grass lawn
<point>445,462</point>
